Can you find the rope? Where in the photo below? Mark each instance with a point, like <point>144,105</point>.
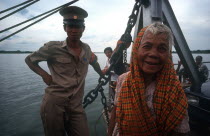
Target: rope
<point>97,122</point>
<point>18,9</point>
<point>32,18</point>
<point>38,20</point>
<point>15,6</point>
<point>126,37</point>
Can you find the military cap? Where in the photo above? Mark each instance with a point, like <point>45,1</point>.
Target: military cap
<point>73,15</point>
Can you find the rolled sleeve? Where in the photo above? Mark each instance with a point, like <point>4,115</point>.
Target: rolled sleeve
<point>42,54</point>
<point>93,58</point>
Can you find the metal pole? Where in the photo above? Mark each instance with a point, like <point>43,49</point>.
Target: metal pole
<point>182,47</point>
<point>153,13</point>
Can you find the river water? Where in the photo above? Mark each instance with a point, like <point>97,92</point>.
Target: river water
<point>21,93</point>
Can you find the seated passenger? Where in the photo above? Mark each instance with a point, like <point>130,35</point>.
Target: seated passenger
<point>202,68</point>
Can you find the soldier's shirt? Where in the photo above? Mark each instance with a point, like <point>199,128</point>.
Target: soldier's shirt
<point>68,72</point>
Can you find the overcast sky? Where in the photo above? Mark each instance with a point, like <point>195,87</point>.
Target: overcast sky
<point>105,24</point>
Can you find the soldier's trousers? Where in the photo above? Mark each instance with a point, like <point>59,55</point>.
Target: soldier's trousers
<point>63,115</point>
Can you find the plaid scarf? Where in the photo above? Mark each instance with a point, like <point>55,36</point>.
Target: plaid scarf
<point>134,117</point>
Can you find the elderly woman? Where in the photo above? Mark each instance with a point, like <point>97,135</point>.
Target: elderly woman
<point>149,98</point>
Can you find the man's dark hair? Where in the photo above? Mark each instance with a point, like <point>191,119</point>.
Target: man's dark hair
<point>199,57</point>
<point>107,49</point>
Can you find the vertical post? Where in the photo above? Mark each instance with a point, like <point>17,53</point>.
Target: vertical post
<point>182,47</point>
<point>157,11</point>
<point>149,13</point>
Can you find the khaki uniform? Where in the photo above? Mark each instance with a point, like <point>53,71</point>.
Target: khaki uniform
<point>61,108</point>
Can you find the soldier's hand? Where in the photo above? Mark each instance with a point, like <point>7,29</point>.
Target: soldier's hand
<point>104,70</point>
<point>47,79</point>
<point>122,42</point>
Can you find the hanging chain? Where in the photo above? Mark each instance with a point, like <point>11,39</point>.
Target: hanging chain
<point>124,56</point>
<point>92,95</point>
<point>104,102</point>
<point>126,37</point>
<point>132,18</point>
<point>131,23</point>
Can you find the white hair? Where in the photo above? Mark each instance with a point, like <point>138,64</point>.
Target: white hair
<point>157,28</point>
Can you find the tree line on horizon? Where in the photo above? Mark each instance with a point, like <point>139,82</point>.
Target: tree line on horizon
<point>197,51</point>
<point>18,51</point>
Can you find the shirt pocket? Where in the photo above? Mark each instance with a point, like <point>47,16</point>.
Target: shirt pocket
<point>63,60</point>
<point>64,66</point>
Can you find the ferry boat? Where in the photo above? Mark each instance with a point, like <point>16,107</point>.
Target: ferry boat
<point>148,12</point>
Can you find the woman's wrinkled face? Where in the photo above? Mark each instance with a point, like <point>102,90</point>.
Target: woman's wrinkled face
<point>153,52</point>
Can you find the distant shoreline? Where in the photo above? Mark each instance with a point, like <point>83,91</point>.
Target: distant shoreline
<point>198,52</point>
<point>14,52</point>
<point>22,52</point>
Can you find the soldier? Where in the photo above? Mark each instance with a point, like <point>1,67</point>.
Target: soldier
<point>61,108</point>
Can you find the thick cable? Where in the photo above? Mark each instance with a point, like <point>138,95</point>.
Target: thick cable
<point>37,21</point>
<point>33,18</point>
<point>18,10</point>
<point>15,6</point>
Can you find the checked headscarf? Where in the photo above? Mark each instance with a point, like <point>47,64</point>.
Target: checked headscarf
<point>134,117</point>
